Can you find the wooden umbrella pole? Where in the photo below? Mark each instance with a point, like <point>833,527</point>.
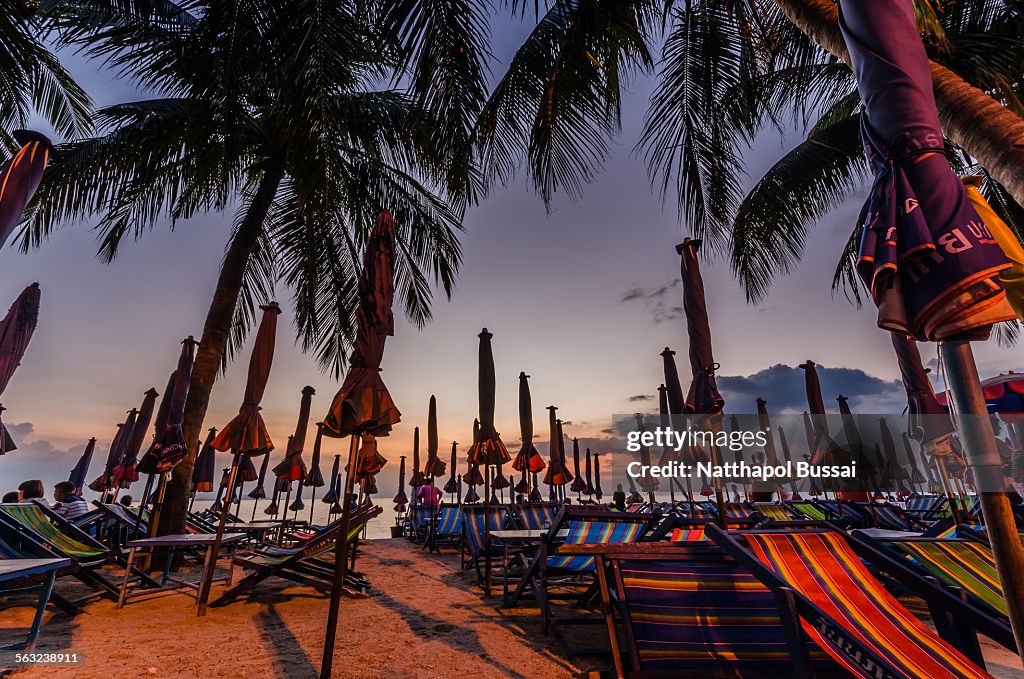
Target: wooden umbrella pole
<point>947,486</point>
<point>255,504</point>
<point>238,504</point>
<point>211,555</point>
<point>982,455</point>
<point>142,505</point>
<point>487,530</point>
<point>312,506</point>
<point>340,565</point>
<point>284,515</point>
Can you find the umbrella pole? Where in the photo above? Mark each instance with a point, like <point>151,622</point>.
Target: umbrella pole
<point>340,565</point>
<point>211,556</point>
<point>983,457</point>
<point>255,504</point>
<point>142,506</point>
<point>284,515</point>
<point>238,505</point>
<point>719,498</point>
<point>487,530</point>
<point>312,506</point>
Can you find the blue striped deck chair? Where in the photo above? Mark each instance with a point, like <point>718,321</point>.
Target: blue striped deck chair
<point>692,611</point>
<point>449,524</point>
<point>418,522</point>
<point>536,515</point>
<point>476,520</point>
<point>924,506</point>
<point>585,527</point>
<point>843,608</point>
<point>854,514</point>
<point>891,517</point>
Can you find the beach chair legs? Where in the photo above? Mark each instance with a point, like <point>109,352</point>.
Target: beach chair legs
<point>45,590</point>
<point>802,666</point>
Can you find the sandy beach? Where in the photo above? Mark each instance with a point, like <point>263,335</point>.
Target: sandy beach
<point>424,618</point>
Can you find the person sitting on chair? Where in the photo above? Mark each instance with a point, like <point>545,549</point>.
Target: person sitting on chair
<point>67,503</point>
<point>12,496</point>
<point>32,490</point>
<point>429,496</point>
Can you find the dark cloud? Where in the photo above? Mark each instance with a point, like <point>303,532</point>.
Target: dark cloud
<point>40,458</point>
<point>658,301</point>
<point>782,386</point>
<point>640,397</point>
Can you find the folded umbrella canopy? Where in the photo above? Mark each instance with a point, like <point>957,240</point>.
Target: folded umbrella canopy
<point>333,494</point>
<point>292,467</point>
<point>126,472</point>
<point>893,468</point>
<point>104,481</point>
<point>556,474</point>
<point>314,477</point>
<point>674,389</point>
<point>20,177</point>
<point>929,260</point>
<point>647,483</point>
<point>527,459</point>
<point>929,419</point>
<point>205,466</point>
<point>15,332</point>
<point>598,493</point>
<point>81,469</point>
<point>218,503</point>
<point>579,484</point>
<point>793,483</point>
<point>435,467</point>
<point>417,478</point>
<point>247,434</point>
<point>298,504</point>
<point>472,476</point>
<point>369,461</point>
<point>363,405</point>
<point>917,477</point>
<point>400,497</point>
<point>260,491</point>
<point>590,477</point>
<point>147,465</point>
<point>453,483</point>
<point>170,448</point>
<point>487,448</point>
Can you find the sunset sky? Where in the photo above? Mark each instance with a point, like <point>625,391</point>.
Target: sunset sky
<point>583,299</point>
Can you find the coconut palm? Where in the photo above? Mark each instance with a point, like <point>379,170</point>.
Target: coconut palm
<point>280,109</point>
<point>32,79</point>
<point>728,68</point>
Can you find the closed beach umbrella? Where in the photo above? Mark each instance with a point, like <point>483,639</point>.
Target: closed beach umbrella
<point>894,469</point>
<point>579,484</point>
<point>784,444</point>
<point>363,406</point>
<point>205,466</point>
<point>820,443</point>
<point>15,332</point>
<point>81,469</point>
<point>435,467</point>
<point>272,509</point>
<point>929,419</point>
<point>246,433</point>
<point>260,491</point>
<point>590,477</point>
<point>400,497</point>
<point>648,483</point>
<point>218,502</point>
<point>292,467</point>
<point>556,473</point>
<point>315,478</point>
<point>298,504</point>
<point>333,494</point>
<point>417,478</point>
<point>472,475</point>
<point>917,477</point>
<point>336,489</point>
<point>369,461</point>
<point>528,459</point>
<point>674,389</point>
<point>488,448</point>
<point>634,495</point>
<point>122,453</point>
<point>598,493</point>
<point>126,472</point>
<point>147,465</point>
<point>535,493</point>
<point>20,177</point>
<point>169,449</point>
<point>453,483</point>
<point>104,481</point>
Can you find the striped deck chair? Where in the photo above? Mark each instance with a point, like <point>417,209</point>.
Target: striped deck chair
<point>688,535</point>
<point>306,564</point>
<point>738,510</point>
<point>844,608</point>
<point>536,515</point>
<point>774,512</point>
<point>418,522</point>
<point>692,612</point>
<point>120,523</point>
<point>853,513</point>
<point>449,523</point>
<point>808,509</point>
<point>891,517</point>
<point>32,526</point>
<point>923,506</point>
<point>585,527</point>
<point>474,531</point>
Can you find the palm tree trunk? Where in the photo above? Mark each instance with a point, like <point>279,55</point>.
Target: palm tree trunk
<point>975,121</point>
<point>213,345</point>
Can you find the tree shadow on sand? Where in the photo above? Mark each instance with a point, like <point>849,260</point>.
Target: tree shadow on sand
<point>429,628</point>
<point>289,658</point>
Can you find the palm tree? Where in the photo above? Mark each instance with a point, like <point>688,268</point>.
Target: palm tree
<point>727,68</point>
<point>32,79</point>
<point>275,106</point>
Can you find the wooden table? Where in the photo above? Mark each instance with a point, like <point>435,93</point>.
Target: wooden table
<point>13,569</point>
<point>171,543</point>
<point>520,541</point>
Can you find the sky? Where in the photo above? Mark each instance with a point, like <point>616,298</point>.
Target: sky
<point>583,298</point>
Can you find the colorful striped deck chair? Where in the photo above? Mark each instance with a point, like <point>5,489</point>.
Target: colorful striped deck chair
<point>808,509</point>
<point>891,517</point>
<point>34,527</point>
<point>959,563</point>
<point>476,521</point>
<point>306,564</point>
<point>418,522</point>
<point>921,506</point>
<point>693,612</point>
<point>774,512</point>
<point>536,515</point>
<point>688,535</point>
<point>738,510</point>
<point>851,512</point>
<point>845,609</point>
<point>548,568</point>
<point>449,523</point>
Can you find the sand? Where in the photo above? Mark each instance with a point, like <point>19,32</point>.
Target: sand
<point>424,618</point>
